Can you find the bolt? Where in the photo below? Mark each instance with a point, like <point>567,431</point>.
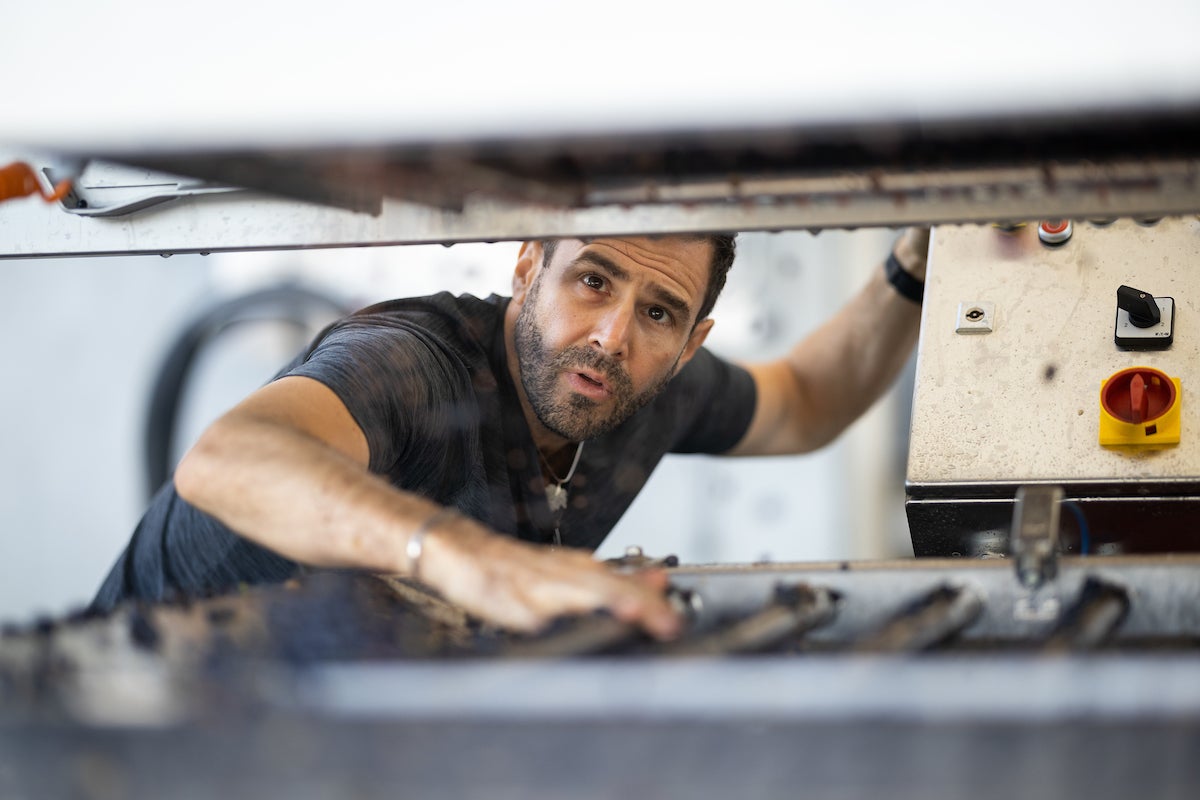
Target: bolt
<point>1029,572</point>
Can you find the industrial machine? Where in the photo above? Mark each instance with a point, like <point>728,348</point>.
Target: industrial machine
<point>1043,642</point>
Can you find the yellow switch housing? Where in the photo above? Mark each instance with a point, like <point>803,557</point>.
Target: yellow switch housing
<point>1140,409</point>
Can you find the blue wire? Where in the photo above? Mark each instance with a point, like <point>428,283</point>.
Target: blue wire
<point>1084,536</point>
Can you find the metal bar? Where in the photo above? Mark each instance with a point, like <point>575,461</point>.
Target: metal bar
<point>930,620</point>
<point>1035,534</point>
<point>1165,588</point>
<point>1092,620</point>
<point>936,687</point>
<point>244,221</point>
<point>793,611</point>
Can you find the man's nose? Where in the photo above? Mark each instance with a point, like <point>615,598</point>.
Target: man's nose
<point>612,329</point>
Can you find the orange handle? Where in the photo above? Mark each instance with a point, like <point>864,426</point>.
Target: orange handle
<point>19,180</point>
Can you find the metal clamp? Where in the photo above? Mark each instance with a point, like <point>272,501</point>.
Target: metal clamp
<point>113,190</point>
<point>1035,534</point>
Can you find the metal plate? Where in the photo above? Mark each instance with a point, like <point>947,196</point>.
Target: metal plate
<point>975,317</point>
<point>1022,403</point>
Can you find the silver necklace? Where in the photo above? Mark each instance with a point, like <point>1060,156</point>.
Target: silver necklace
<point>556,496</point>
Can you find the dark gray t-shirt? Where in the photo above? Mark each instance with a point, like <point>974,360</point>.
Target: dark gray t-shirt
<point>427,381</point>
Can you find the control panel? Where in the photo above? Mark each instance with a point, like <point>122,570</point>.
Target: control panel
<point>1059,353</point>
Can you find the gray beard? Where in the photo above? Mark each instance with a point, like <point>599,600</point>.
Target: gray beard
<point>577,417</point>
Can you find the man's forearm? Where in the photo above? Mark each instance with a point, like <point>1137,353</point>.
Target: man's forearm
<point>297,496</point>
<point>844,366</point>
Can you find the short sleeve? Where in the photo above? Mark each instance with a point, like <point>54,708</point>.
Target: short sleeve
<point>394,378</point>
<point>715,402</point>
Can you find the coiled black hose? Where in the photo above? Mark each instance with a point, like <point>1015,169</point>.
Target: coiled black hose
<point>289,304</point>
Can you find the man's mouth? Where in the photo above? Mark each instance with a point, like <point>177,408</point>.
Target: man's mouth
<point>588,384</point>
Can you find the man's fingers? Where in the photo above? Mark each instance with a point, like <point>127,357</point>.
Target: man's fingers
<point>647,606</point>
<point>656,614</point>
<point>524,588</point>
<point>654,578</point>
<point>581,585</point>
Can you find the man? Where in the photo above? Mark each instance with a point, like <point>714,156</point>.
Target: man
<point>451,439</point>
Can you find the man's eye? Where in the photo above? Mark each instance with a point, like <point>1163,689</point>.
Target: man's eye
<point>593,281</point>
<point>658,314</point>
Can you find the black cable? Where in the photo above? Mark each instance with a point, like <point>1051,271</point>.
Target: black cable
<point>289,303</point>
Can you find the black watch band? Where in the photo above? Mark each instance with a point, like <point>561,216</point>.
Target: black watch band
<point>902,282</point>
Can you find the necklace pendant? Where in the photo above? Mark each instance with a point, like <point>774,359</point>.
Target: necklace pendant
<point>556,498</point>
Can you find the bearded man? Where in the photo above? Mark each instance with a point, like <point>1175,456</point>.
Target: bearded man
<point>486,446</point>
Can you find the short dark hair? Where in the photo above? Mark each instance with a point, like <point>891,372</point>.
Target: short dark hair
<point>724,246</point>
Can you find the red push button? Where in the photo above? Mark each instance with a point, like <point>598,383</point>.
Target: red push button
<point>1054,231</point>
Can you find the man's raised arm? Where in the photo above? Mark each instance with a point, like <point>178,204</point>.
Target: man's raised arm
<point>830,378</point>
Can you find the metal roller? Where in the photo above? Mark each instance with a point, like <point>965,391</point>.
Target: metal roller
<point>932,619</point>
<point>794,610</point>
<point>1096,615</point>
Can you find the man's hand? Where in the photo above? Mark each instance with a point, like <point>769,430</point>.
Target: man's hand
<point>523,587</point>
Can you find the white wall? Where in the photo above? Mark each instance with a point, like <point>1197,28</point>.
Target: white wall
<point>84,339</point>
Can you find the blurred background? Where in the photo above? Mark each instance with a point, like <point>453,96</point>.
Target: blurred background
<point>91,340</point>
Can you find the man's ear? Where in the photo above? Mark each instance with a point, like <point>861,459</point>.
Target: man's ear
<point>699,334</point>
<point>529,260</point>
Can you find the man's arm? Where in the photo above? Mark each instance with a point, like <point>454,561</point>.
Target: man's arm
<point>811,395</point>
<point>287,468</point>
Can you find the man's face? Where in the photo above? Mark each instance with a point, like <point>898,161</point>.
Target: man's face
<point>605,325</point>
